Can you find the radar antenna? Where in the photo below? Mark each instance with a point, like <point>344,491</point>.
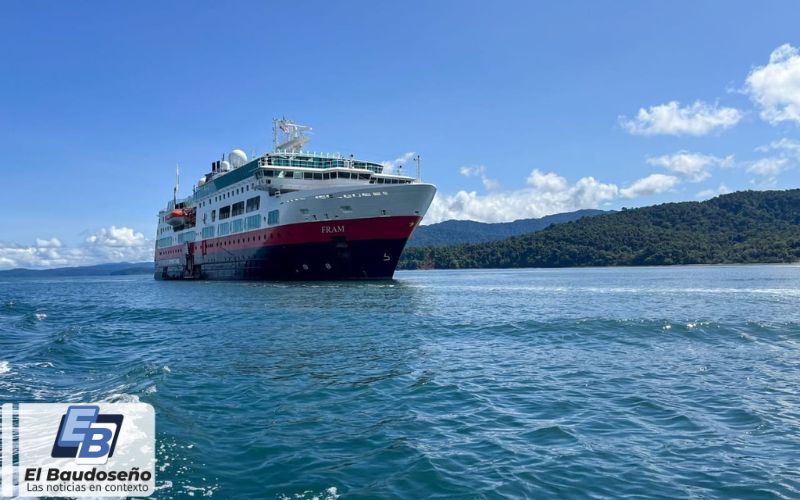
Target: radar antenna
<point>294,135</point>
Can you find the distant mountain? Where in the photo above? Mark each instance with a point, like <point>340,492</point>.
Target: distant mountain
<point>115,269</point>
<point>742,227</point>
<point>454,232</point>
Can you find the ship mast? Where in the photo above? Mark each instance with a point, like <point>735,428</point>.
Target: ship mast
<point>177,184</point>
<point>294,135</point>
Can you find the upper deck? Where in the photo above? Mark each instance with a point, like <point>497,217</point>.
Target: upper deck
<point>287,168</point>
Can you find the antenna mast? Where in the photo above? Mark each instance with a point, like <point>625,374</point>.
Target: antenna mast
<point>419,173</point>
<point>177,185</point>
<point>294,135</point>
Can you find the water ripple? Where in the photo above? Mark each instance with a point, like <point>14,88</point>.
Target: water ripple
<point>592,383</point>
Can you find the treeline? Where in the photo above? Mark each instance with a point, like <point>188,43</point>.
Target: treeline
<point>456,232</point>
<point>742,227</point>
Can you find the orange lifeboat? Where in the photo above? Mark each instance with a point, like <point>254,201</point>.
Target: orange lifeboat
<point>178,217</point>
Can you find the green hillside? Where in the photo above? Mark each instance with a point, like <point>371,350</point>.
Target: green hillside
<point>455,232</point>
<point>742,227</point>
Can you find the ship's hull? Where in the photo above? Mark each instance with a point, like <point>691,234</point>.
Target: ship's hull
<point>364,249</point>
<point>358,260</point>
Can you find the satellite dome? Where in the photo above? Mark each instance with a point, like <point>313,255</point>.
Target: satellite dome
<point>225,166</point>
<point>237,158</point>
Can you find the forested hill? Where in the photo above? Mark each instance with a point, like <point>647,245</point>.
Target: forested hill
<point>454,232</point>
<point>742,227</point>
<point>115,269</point>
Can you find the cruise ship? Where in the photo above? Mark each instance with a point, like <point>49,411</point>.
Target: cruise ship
<point>290,215</point>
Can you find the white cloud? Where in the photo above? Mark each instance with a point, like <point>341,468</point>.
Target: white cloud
<point>548,183</point>
<point>393,166</point>
<point>480,171</point>
<point>710,193</point>
<point>652,184</point>
<point>490,184</point>
<point>472,171</point>
<point>545,194</point>
<point>113,244</point>
<point>116,237</point>
<point>786,147</point>
<point>698,118</point>
<point>775,87</point>
<point>785,155</point>
<point>768,167</point>
<point>51,243</point>
<point>692,166</point>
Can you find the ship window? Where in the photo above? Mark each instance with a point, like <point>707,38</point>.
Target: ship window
<point>272,217</point>
<point>298,175</point>
<point>318,177</point>
<point>326,176</point>
<point>307,175</point>
<point>252,222</point>
<point>253,204</point>
<point>237,209</point>
<point>213,215</point>
<point>268,173</point>
<point>224,212</point>
<point>346,209</point>
<point>363,177</point>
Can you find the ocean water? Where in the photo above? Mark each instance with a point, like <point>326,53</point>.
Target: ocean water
<point>679,382</point>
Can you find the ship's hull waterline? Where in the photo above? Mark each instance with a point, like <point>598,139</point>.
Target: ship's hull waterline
<point>358,249</point>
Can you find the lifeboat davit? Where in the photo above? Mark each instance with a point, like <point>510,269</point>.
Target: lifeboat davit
<point>178,217</point>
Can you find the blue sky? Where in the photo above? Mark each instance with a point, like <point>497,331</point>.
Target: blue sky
<point>518,109</point>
